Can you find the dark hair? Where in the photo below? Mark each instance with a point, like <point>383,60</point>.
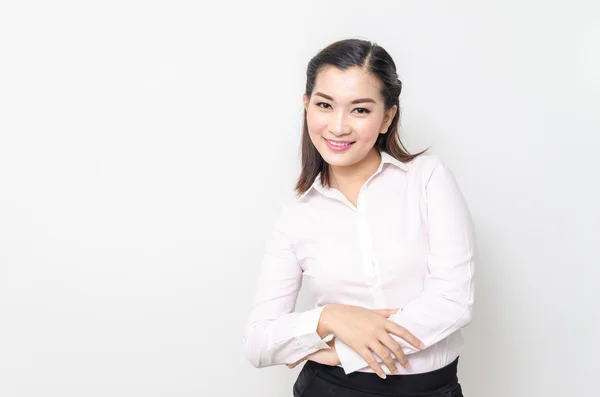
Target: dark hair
<point>344,54</point>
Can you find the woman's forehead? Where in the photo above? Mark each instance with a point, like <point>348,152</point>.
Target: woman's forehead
<point>347,84</point>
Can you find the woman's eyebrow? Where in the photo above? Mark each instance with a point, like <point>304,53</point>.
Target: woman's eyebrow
<point>361,100</point>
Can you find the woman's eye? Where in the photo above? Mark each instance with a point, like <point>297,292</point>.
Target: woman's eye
<point>325,105</point>
<point>322,103</point>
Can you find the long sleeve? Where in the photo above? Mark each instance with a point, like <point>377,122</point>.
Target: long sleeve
<point>445,304</point>
<point>274,333</point>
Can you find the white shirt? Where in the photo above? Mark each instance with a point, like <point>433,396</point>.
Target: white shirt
<point>408,244</point>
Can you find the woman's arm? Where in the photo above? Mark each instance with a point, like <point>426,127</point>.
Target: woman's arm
<point>445,304</point>
<point>323,356</point>
<point>330,356</point>
<point>275,334</point>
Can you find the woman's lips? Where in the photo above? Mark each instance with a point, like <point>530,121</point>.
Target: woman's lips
<point>338,146</point>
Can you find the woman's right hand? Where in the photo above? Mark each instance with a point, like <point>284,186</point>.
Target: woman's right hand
<point>366,330</point>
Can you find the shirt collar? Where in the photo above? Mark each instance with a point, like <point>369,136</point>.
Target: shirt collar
<point>386,158</point>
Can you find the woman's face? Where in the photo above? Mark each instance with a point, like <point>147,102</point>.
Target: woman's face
<point>346,114</point>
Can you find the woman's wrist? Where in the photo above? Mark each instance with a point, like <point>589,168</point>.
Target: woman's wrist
<point>325,326</point>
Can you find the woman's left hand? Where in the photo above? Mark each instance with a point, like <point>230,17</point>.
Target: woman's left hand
<point>322,356</point>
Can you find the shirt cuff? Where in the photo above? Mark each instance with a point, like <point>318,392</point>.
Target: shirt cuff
<point>350,360</point>
<point>307,331</point>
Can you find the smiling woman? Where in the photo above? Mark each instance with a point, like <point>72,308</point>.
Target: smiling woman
<point>341,123</point>
<point>384,238</point>
<point>336,130</point>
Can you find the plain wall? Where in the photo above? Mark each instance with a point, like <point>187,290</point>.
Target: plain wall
<point>145,148</point>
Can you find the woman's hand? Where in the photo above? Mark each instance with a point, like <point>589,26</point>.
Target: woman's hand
<point>366,330</point>
<point>329,356</point>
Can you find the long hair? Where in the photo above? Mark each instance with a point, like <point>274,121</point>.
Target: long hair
<point>371,57</point>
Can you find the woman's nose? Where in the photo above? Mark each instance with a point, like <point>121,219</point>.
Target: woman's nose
<point>338,124</point>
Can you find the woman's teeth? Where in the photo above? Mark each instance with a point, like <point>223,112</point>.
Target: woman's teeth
<point>340,144</point>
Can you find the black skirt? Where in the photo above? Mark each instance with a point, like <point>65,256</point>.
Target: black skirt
<point>319,380</point>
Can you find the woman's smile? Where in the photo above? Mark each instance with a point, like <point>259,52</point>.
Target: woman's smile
<point>338,146</point>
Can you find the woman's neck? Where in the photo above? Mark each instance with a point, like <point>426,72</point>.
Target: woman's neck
<point>355,175</point>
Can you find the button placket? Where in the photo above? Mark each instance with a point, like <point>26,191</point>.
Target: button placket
<point>377,291</point>
<point>364,236</point>
<point>369,264</point>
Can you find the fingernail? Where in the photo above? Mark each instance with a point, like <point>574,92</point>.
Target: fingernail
<point>422,345</point>
<point>383,376</point>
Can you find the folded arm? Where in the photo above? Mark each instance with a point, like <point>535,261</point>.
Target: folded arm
<point>445,304</point>
<point>275,334</point>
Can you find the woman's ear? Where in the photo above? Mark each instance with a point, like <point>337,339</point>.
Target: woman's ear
<point>387,120</point>
<point>305,100</point>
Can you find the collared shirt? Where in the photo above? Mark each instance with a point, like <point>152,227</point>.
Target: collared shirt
<point>408,243</point>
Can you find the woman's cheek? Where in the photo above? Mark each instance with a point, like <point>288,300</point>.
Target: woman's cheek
<point>316,124</point>
<point>368,130</point>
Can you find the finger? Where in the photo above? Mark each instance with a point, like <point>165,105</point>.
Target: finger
<point>366,354</point>
<point>404,334</point>
<point>293,365</point>
<point>385,312</point>
<point>395,348</point>
<point>381,312</point>
<point>385,356</point>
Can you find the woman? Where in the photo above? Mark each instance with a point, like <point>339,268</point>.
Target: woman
<point>384,238</point>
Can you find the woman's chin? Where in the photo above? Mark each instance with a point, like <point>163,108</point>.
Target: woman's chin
<point>338,160</point>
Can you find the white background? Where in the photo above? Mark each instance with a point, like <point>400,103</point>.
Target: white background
<point>145,147</point>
